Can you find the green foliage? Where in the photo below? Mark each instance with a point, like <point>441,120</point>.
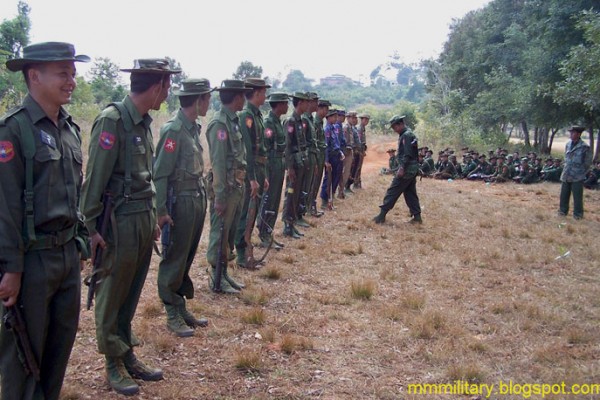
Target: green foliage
<point>296,81</point>
<point>247,69</point>
<point>105,81</point>
<point>14,35</point>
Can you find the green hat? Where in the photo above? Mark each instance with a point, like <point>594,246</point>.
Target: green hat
<point>313,95</point>
<point>151,66</point>
<point>301,95</point>
<point>577,128</point>
<point>278,97</point>
<point>367,116</point>
<point>331,112</point>
<point>233,85</point>
<point>45,52</point>
<point>256,83</point>
<point>324,103</point>
<point>352,114</point>
<point>396,119</point>
<point>191,87</point>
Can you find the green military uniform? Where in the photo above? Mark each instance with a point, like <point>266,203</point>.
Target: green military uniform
<point>227,177</point>
<point>252,129</point>
<point>275,146</point>
<point>42,247</point>
<point>311,160</point>
<point>321,147</point>
<point>362,150</point>
<point>180,193</point>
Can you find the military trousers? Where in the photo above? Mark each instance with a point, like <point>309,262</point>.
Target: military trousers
<point>50,299</point>
<point>234,202</point>
<point>317,178</point>
<point>356,168</point>
<point>408,186</point>
<point>292,194</point>
<point>309,171</point>
<point>125,261</point>
<point>249,208</point>
<point>566,189</point>
<point>270,207</point>
<point>346,168</point>
<point>332,180</point>
<point>174,282</point>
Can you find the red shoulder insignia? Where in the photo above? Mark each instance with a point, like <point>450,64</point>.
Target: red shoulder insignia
<point>170,145</point>
<point>7,151</point>
<point>107,140</point>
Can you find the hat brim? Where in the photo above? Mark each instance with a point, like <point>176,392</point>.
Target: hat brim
<point>18,64</point>
<point>177,92</point>
<point>151,71</point>
<point>265,86</point>
<point>224,89</point>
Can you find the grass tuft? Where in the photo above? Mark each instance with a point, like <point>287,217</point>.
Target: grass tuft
<point>255,316</point>
<point>363,289</point>
<point>248,360</point>
<point>272,273</point>
<point>255,297</point>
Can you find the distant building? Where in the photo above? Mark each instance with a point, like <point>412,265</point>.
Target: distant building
<point>337,80</point>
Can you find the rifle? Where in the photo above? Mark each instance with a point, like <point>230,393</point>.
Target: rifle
<point>251,262</point>
<point>219,267</point>
<point>102,227</point>
<point>14,322</point>
<point>329,185</point>
<point>263,220</point>
<point>165,236</point>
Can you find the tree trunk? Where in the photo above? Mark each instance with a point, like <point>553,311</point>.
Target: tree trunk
<point>525,133</point>
<point>536,139</point>
<point>551,140</point>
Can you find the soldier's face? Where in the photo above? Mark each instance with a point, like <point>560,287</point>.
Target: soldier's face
<point>53,82</point>
<point>260,96</point>
<point>574,135</point>
<point>364,121</point>
<point>202,104</point>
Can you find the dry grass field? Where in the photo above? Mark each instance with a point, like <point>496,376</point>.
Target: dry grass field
<point>355,310</point>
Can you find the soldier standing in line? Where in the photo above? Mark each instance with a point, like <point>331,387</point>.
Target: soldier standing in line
<point>347,146</point>
<point>311,158</point>
<point>226,182</point>
<point>334,156</point>
<point>356,148</point>
<point>256,182</point>
<point>121,150</point>
<point>295,161</point>
<point>322,110</point>
<point>275,138</point>
<point>578,159</point>
<point>181,203</point>
<point>405,180</point>
<point>362,149</point>
<point>40,171</point>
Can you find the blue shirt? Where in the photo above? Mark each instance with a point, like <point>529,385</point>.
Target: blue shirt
<point>332,139</point>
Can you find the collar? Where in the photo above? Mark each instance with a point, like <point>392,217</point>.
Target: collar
<point>137,119</point>
<point>36,113</point>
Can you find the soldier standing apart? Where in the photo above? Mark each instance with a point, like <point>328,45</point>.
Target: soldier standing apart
<point>256,182</point>
<point>334,157</point>
<point>40,170</point>
<point>121,150</point>
<point>275,145</point>
<point>405,179</point>
<point>356,148</point>
<point>181,203</point>
<point>362,152</point>
<point>311,158</point>
<point>295,149</point>
<point>578,159</point>
<point>226,182</point>
<point>321,144</point>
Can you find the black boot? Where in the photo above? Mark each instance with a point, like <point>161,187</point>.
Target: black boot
<point>380,218</point>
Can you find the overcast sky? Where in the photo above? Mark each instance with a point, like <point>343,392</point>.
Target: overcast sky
<point>211,38</point>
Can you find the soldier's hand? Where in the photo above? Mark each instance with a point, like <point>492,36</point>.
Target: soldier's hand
<point>164,220</point>
<point>266,185</point>
<point>9,288</point>
<point>343,157</point>
<point>328,166</point>
<point>96,240</point>
<point>254,188</point>
<point>292,175</point>
<point>156,232</point>
<point>220,208</point>
<point>400,172</point>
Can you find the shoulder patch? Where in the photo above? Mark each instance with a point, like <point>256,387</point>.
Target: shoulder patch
<point>47,139</point>
<point>107,140</point>
<point>170,145</point>
<point>303,125</point>
<point>221,135</point>
<point>268,133</point>
<point>7,151</point>
<point>290,128</point>
<point>249,122</point>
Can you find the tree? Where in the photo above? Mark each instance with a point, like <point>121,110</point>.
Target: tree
<point>176,79</point>
<point>296,81</point>
<point>247,69</point>
<point>105,81</point>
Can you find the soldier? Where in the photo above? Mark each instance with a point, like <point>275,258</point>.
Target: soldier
<point>275,146</point>
<point>256,182</point>
<point>591,180</point>
<point>578,158</point>
<point>446,169</point>
<point>352,118</point>
<point>527,173</point>
<point>334,157</point>
<point>181,203</point>
<point>347,146</point>
<point>40,171</point>
<point>392,163</point>
<point>311,158</point>
<point>226,182</point>
<point>295,161</point>
<point>405,180</point>
<point>121,150</point>
<point>322,110</point>
<point>362,139</point>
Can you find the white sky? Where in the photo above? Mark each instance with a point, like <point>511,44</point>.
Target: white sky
<point>211,38</point>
